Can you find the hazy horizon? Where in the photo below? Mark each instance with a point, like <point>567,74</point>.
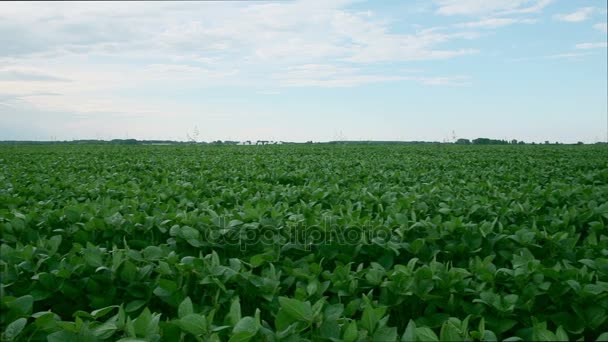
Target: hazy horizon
<point>531,70</point>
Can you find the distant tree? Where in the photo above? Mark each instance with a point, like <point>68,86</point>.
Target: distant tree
<point>487,141</point>
<point>124,141</point>
<point>580,143</point>
<point>514,142</point>
<point>481,141</point>
<point>463,141</point>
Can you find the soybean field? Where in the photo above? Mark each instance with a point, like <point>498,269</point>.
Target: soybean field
<point>314,242</point>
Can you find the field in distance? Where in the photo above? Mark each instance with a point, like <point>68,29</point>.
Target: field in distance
<point>303,242</point>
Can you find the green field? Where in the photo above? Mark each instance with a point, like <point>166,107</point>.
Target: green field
<point>304,242</point>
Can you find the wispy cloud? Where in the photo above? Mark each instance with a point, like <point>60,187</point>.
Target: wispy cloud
<point>575,56</point>
<point>108,49</point>
<point>323,75</point>
<point>494,22</point>
<point>601,27</point>
<point>28,74</point>
<point>591,45</point>
<point>566,55</point>
<point>579,15</point>
<point>478,7</point>
<point>458,81</point>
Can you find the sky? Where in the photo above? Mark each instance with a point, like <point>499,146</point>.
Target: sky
<point>320,70</point>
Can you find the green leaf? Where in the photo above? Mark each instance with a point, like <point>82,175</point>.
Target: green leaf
<point>63,336</point>
<point>500,325</point>
<point>14,328</point>
<point>23,305</point>
<point>103,311</point>
<point>603,337</point>
<point>247,324</point>
<point>193,323</point>
<point>385,334</point>
<point>54,243</point>
<point>105,330</point>
<point>333,311</point>
<point>242,336</point>
<point>561,335</point>
<point>234,315</point>
<point>351,333</point>
<point>369,319</point>
<point>299,310</point>
<point>245,329</point>
<point>540,333</point>
<point>141,323</point>
<point>330,329</point>
<point>152,253</point>
<point>409,335</point>
<point>282,321</point>
<point>135,305</point>
<point>489,336</point>
<point>449,332</point>
<point>371,316</point>
<point>188,233</point>
<point>426,334</point>
<point>185,308</point>
<point>45,320</point>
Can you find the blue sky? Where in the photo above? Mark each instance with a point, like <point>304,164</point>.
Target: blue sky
<point>530,70</point>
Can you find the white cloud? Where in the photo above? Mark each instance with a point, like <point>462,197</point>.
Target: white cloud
<point>108,49</point>
<point>443,81</point>
<point>591,45</point>
<point>217,32</point>
<point>601,27</point>
<point>579,15</point>
<point>323,75</point>
<point>28,74</point>
<point>566,55</point>
<point>494,22</point>
<point>486,7</point>
<point>570,56</point>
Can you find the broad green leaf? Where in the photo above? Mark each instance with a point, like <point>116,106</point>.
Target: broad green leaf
<point>425,334</point>
<point>297,309</point>
<point>234,315</point>
<point>409,334</point>
<point>185,308</point>
<point>603,337</point>
<point>23,305</point>
<point>103,311</point>
<point>245,329</point>
<point>385,334</point>
<point>561,335</point>
<point>14,328</point>
<point>63,336</point>
<point>152,253</point>
<point>135,305</point>
<point>141,324</point>
<point>351,333</point>
<point>449,332</point>
<point>105,330</point>
<point>193,323</point>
